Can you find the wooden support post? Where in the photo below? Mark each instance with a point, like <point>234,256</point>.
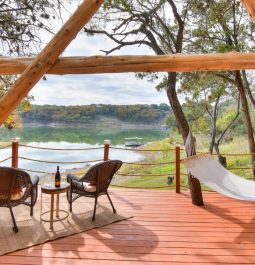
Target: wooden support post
<point>250,6</point>
<point>15,152</point>
<point>106,149</point>
<point>47,57</point>
<point>194,183</point>
<point>177,169</point>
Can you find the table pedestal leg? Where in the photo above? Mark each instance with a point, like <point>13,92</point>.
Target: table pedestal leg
<point>57,206</point>
<point>51,211</point>
<point>41,209</point>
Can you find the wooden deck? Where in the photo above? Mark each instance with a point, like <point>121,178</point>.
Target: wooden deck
<point>166,229</point>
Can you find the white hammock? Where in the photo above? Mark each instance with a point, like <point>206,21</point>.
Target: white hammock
<point>216,177</point>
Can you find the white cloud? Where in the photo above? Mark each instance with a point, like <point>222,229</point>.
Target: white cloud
<point>95,89</point>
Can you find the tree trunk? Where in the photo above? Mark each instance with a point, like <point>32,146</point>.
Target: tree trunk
<point>247,87</point>
<point>213,127</point>
<point>213,131</point>
<point>245,107</point>
<point>176,106</point>
<point>195,187</point>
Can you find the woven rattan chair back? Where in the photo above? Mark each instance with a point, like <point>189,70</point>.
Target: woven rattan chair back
<point>13,180</point>
<point>7,181</point>
<point>99,175</point>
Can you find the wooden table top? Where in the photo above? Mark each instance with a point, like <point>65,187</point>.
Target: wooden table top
<point>51,189</point>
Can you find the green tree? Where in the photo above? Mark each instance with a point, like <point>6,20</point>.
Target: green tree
<point>206,97</point>
<point>147,23</point>
<point>224,26</point>
<point>22,25</point>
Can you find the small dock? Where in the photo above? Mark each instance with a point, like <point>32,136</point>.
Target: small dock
<point>133,142</point>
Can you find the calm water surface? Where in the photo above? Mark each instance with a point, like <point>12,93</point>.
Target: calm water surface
<point>71,138</point>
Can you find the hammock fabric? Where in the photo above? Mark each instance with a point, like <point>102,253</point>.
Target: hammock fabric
<point>216,177</point>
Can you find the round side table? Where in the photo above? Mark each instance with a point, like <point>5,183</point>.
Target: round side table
<point>52,190</point>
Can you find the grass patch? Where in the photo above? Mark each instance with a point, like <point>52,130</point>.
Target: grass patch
<point>238,145</point>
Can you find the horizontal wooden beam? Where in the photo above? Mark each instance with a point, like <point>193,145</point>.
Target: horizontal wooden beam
<point>250,6</point>
<point>139,63</point>
<point>41,64</point>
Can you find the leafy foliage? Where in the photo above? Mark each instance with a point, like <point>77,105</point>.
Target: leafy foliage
<point>129,113</point>
<point>13,120</point>
<point>22,25</point>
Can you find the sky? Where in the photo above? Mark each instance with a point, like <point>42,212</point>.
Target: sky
<point>96,89</point>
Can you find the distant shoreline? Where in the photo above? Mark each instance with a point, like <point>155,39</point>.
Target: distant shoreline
<point>98,124</point>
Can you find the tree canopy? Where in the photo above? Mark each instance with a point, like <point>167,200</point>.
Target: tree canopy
<point>130,113</point>
<point>23,24</point>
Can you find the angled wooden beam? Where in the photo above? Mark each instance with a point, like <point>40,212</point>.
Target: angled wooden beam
<point>250,6</point>
<point>47,57</point>
<point>140,63</point>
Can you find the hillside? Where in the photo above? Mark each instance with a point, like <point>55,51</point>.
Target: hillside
<point>127,116</point>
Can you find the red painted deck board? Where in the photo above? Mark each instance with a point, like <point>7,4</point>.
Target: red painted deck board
<point>165,229</point>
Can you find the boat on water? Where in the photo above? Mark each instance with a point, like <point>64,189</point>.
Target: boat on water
<point>133,142</point>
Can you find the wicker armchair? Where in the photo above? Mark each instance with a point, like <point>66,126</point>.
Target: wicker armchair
<point>17,187</point>
<point>94,183</point>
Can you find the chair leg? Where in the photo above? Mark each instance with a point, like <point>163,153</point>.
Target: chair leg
<point>94,212</point>
<point>69,199</point>
<point>114,210</point>
<point>70,206</point>
<point>31,210</point>
<point>15,228</point>
<point>31,206</point>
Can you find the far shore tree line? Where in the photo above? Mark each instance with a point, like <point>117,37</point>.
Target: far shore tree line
<point>164,27</point>
<point>90,113</point>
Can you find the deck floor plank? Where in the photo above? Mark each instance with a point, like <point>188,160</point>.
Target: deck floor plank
<point>165,229</point>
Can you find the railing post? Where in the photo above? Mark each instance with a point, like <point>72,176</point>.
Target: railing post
<point>15,152</point>
<point>106,149</point>
<point>177,169</point>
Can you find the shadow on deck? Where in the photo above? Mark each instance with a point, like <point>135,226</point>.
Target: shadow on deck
<point>165,229</point>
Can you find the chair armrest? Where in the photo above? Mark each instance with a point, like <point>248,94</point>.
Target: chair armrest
<point>34,180</point>
<point>71,177</point>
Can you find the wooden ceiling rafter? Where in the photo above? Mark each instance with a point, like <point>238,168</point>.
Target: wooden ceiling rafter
<point>137,63</point>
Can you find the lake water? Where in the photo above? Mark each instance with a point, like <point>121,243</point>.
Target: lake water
<point>71,138</point>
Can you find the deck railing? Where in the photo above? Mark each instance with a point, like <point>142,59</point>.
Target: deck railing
<point>177,152</point>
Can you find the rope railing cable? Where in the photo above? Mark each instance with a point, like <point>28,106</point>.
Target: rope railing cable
<point>184,186</point>
<point>244,167</point>
<point>149,164</point>
<point>38,171</point>
<point>62,149</point>
<point>43,172</point>
<point>207,190</point>
<point>236,154</point>
<point>145,175</point>
<point>203,189</point>
<point>142,150</point>
<point>60,162</point>
<point>5,159</point>
<point>136,187</point>
<point>3,147</point>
